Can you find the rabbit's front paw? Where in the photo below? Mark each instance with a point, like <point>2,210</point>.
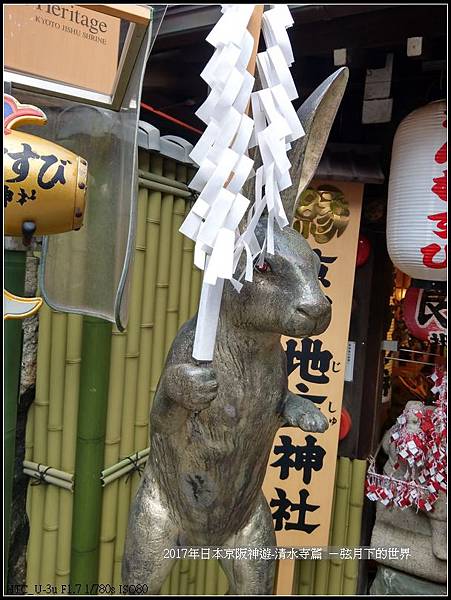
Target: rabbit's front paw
<point>300,412</point>
<point>193,386</point>
<point>313,422</point>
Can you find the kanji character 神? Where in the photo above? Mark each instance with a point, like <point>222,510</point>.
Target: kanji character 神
<point>307,458</point>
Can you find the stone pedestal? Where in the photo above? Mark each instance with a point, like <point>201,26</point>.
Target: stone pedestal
<point>409,529</point>
<point>423,533</point>
<point>390,582</point>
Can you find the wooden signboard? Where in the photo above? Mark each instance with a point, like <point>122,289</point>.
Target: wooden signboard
<point>64,43</point>
<point>299,482</point>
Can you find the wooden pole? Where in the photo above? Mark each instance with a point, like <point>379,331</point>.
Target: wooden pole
<point>254,28</point>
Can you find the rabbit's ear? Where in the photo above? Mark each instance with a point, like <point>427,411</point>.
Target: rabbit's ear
<point>317,115</point>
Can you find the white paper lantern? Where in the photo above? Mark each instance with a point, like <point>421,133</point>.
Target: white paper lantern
<point>416,216</point>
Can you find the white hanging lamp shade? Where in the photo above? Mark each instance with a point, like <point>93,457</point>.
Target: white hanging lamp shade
<point>417,194</point>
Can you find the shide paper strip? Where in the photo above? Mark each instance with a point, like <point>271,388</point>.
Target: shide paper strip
<point>222,156</point>
<point>223,166</point>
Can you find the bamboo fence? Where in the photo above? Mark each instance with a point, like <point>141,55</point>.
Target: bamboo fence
<point>164,293</point>
<point>338,577</point>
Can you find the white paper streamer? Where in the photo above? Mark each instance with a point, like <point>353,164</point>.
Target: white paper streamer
<point>222,156</point>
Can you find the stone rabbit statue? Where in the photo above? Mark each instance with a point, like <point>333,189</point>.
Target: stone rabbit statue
<point>213,425</point>
<point>421,531</point>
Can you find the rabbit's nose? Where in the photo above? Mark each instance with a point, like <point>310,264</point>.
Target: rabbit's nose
<point>315,310</point>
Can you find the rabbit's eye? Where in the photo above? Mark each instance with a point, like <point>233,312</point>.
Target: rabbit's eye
<point>265,267</point>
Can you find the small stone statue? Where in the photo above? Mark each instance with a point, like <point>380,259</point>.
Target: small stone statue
<point>422,532</point>
<point>213,425</point>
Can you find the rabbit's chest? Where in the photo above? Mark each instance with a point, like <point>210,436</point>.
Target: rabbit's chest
<point>249,400</point>
<point>249,389</point>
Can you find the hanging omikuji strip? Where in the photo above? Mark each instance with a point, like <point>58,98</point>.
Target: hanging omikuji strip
<point>215,220</point>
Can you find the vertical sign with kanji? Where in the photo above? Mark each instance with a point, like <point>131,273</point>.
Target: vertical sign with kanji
<point>299,482</point>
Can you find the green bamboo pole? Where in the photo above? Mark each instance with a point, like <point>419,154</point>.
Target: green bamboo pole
<point>172,310</point>
<point>196,284</point>
<point>95,363</point>
<point>119,466</point>
<point>164,189</point>
<point>123,501</point>
<point>166,588</point>
<point>194,276</point>
<point>184,577</point>
<point>41,407</point>
<point>321,577</point>
<point>176,183</point>
<point>200,577</point>
<point>14,263</point>
<point>340,524</point>
<point>306,576</point>
<point>29,433</point>
<point>49,479</point>
<point>130,381</point>
<point>185,269</point>
<point>39,468</point>
<point>196,281</point>
<point>175,578</point>
<point>111,456</point>
<point>185,279</point>
<point>148,309</point>
<point>323,566</point>
<point>108,533</point>
<point>351,567</point>
<point>163,270</point>
<point>29,454</point>
<point>141,391</point>
<point>222,585</point>
<point>162,285</point>
<point>54,434</point>
<point>70,416</point>
<point>211,577</point>
<point>192,575</point>
<point>127,470</point>
<point>195,288</point>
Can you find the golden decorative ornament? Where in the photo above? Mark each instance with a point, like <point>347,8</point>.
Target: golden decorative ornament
<point>44,184</point>
<point>15,307</point>
<point>322,213</point>
<point>44,189</point>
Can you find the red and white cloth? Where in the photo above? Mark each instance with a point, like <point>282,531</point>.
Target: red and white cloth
<point>422,454</point>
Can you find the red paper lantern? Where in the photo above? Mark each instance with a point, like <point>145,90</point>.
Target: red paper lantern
<point>417,193</point>
<point>363,251</point>
<point>345,424</point>
<point>425,314</point>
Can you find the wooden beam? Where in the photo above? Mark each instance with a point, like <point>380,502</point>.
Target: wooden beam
<point>390,27</point>
<point>128,12</point>
<point>318,31</point>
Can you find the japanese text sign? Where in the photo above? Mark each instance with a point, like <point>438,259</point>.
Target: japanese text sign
<point>64,43</point>
<point>299,483</point>
<point>425,314</point>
